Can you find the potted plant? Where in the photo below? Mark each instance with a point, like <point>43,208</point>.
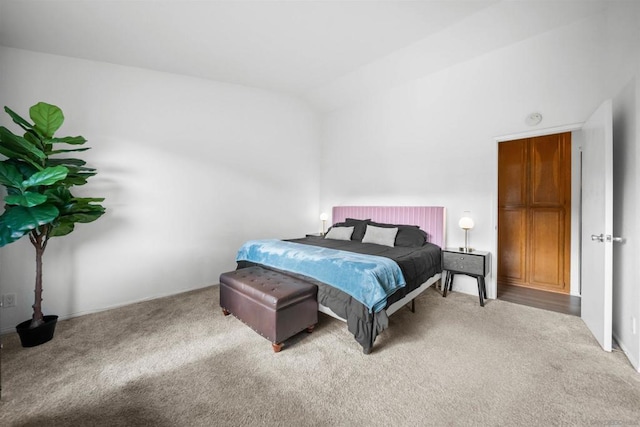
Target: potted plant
<point>38,177</point>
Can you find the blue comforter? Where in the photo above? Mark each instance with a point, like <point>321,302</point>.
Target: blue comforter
<point>367,278</point>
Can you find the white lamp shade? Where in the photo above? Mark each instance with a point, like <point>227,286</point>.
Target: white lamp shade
<point>466,223</point>
<point>324,216</point>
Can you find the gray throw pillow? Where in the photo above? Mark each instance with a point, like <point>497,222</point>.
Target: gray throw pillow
<point>380,236</point>
<point>339,233</point>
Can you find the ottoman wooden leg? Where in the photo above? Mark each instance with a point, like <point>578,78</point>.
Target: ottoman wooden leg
<point>310,328</point>
<point>276,347</point>
<point>225,312</point>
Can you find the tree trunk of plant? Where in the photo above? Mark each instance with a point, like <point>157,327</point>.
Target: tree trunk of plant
<point>39,242</point>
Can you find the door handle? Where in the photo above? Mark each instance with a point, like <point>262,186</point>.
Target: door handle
<point>597,238</point>
<point>614,239</point>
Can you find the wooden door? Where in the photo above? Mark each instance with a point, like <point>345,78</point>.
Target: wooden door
<point>534,212</point>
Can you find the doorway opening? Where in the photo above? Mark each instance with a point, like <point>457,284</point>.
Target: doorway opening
<point>534,222</point>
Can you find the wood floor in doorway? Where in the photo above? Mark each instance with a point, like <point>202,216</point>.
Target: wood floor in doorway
<point>552,301</point>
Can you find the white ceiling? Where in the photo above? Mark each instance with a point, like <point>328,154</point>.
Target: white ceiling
<point>295,46</point>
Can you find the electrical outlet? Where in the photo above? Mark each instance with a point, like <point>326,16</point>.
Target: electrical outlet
<point>9,300</point>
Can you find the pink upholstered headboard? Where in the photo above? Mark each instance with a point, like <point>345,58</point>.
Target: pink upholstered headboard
<point>431,219</point>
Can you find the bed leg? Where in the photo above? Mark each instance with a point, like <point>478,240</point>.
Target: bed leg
<point>276,347</point>
<point>225,312</point>
<point>310,329</point>
<point>413,305</point>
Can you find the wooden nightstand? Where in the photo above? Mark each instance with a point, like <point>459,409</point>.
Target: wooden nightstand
<point>475,264</point>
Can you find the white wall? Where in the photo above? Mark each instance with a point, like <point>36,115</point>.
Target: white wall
<point>190,169</point>
<point>626,297</point>
<point>622,79</point>
<point>432,140</point>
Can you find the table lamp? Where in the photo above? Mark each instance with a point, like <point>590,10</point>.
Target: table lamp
<point>323,218</point>
<point>466,223</point>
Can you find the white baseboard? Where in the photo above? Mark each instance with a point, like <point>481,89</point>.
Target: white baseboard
<point>12,329</point>
<point>632,359</point>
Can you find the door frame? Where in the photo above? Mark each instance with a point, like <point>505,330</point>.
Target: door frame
<point>492,290</point>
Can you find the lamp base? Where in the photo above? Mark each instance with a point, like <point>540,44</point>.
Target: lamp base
<point>466,249</point>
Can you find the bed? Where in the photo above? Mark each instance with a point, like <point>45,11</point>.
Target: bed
<point>419,262</point>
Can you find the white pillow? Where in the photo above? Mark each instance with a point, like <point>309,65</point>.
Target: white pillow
<point>380,235</point>
<point>339,233</point>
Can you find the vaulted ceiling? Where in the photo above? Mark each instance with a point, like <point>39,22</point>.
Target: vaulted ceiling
<point>298,47</point>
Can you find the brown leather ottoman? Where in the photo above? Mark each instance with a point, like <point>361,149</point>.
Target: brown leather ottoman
<point>273,304</point>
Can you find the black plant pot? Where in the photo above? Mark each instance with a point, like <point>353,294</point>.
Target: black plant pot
<point>36,336</point>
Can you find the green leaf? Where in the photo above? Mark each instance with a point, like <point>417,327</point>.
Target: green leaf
<point>84,217</point>
<point>20,145</point>
<point>48,118</point>
<point>69,205</point>
<point>69,150</point>
<point>7,235</point>
<point>17,119</point>
<point>10,176</point>
<point>19,218</point>
<point>74,170</point>
<point>33,137</point>
<point>81,210</point>
<point>59,196</point>
<point>66,162</point>
<point>28,199</point>
<point>81,207</point>
<point>77,175</point>
<point>47,176</point>
<point>89,200</point>
<point>78,211</point>
<point>13,155</point>
<point>61,229</point>
<point>24,168</point>
<point>74,140</point>
<point>77,179</point>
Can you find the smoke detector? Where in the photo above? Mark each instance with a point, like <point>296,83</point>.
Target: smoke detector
<point>533,119</point>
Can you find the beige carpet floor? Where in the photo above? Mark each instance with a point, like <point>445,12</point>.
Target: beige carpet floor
<point>178,361</point>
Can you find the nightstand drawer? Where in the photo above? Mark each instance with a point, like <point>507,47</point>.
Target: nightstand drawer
<point>463,263</point>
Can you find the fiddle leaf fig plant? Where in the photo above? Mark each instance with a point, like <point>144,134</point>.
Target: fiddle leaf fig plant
<point>38,177</point>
